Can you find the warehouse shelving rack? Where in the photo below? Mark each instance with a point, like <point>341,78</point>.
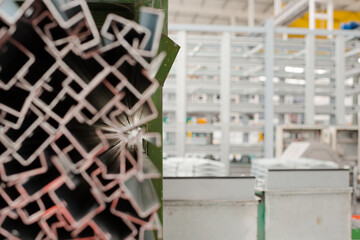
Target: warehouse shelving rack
<point>286,134</point>
<point>222,73</point>
<point>345,141</point>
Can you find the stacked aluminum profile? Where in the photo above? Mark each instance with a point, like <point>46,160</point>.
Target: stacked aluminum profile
<point>73,104</point>
<point>193,167</point>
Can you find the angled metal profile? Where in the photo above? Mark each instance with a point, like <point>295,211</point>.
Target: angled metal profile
<point>142,196</point>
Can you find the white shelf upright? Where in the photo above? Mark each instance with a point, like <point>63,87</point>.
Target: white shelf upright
<point>225,82</point>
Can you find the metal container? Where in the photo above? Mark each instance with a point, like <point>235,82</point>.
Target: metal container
<point>210,208</point>
<point>308,204</point>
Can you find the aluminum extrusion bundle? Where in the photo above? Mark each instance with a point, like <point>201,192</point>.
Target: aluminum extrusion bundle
<point>73,104</point>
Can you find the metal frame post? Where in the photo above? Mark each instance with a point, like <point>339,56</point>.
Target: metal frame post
<point>309,79</point>
<point>269,90</point>
<point>355,116</point>
<point>251,13</point>
<point>312,11</point>
<point>330,14</point>
<point>277,7</point>
<point>181,97</point>
<point>340,80</point>
<point>225,91</point>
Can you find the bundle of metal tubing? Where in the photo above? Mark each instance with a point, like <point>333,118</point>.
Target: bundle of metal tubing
<point>73,104</point>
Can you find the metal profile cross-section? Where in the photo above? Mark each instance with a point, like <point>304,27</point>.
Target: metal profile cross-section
<point>74,101</point>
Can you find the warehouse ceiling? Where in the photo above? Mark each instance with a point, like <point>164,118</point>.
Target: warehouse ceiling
<point>232,12</point>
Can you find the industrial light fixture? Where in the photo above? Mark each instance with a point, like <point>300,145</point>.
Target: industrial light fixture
<point>320,71</point>
<point>291,69</point>
<point>262,78</point>
<point>295,81</point>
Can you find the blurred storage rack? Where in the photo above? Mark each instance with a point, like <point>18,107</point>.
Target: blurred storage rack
<point>345,141</point>
<point>286,134</point>
<point>229,87</point>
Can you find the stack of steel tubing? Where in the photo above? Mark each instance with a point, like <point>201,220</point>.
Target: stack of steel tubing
<point>73,104</point>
